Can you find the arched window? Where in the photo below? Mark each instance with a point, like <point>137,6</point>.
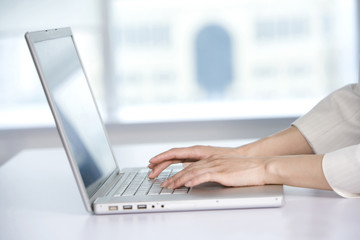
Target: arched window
<point>213,52</point>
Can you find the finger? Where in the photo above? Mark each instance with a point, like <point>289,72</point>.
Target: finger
<point>151,165</point>
<point>199,179</point>
<point>186,164</point>
<point>158,168</point>
<point>184,176</point>
<point>195,153</point>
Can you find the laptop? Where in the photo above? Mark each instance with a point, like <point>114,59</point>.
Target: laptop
<point>106,187</point>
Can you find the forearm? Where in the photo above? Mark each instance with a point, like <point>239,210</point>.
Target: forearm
<point>299,171</point>
<point>287,142</point>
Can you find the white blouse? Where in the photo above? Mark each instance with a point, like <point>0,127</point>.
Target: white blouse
<point>332,128</point>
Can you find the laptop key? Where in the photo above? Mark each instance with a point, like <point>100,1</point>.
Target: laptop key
<point>135,184</point>
<point>155,189</point>
<point>145,186</point>
<point>124,185</point>
<point>182,190</point>
<point>165,191</point>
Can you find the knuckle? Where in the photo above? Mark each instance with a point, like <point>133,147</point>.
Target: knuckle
<point>193,172</point>
<point>215,161</point>
<point>177,181</point>
<point>197,149</point>
<point>213,157</point>
<point>172,150</point>
<point>197,146</point>
<point>216,156</point>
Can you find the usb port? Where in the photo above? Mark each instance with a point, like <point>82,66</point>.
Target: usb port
<point>113,208</point>
<point>127,207</point>
<point>141,206</point>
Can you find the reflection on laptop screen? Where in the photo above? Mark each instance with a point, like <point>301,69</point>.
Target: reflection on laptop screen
<point>76,108</point>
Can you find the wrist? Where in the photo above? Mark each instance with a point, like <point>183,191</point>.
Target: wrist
<point>250,150</point>
<point>298,171</point>
<point>287,142</point>
<point>272,173</point>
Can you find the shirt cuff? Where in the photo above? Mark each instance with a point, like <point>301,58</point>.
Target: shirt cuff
<point>342,171</point>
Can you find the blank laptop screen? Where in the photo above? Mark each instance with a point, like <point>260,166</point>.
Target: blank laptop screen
<point>75,106</point>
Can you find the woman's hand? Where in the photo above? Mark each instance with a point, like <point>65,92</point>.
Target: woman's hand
<point>228,171</point>
<point>209,164</point>
<point>187,156</point>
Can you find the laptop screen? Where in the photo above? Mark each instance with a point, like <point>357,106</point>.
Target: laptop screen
<point>75,107</point>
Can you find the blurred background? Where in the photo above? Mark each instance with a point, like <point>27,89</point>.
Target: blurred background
<point>169,70</point>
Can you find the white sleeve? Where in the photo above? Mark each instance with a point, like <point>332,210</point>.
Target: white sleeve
<point>342,171</point>
<point>334,123</point>
<point>333,128</point>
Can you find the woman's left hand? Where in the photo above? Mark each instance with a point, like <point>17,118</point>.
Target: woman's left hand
<point>226,170</point>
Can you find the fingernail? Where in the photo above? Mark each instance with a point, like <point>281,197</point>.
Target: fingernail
<point>170,186</point>
<point>188,184</point>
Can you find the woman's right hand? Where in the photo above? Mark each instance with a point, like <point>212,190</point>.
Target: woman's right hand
<point>187,156</point>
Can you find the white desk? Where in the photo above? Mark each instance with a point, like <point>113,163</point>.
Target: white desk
<point>39,200</point>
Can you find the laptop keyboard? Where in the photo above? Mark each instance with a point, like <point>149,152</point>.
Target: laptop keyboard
<point>138,183</point>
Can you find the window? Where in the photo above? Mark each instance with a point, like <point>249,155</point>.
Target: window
<point>170,60</point>
<point>186,60</point>
<point>22,100</point>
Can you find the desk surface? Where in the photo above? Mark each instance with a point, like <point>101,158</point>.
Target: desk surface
<point>39,200</point>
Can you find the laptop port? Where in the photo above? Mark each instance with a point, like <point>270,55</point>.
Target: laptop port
<point>113,208</point>
<point>141,206</point>
<point>127,207</point>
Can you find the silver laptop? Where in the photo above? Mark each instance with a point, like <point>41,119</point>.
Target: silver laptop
<point>105,187</point>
